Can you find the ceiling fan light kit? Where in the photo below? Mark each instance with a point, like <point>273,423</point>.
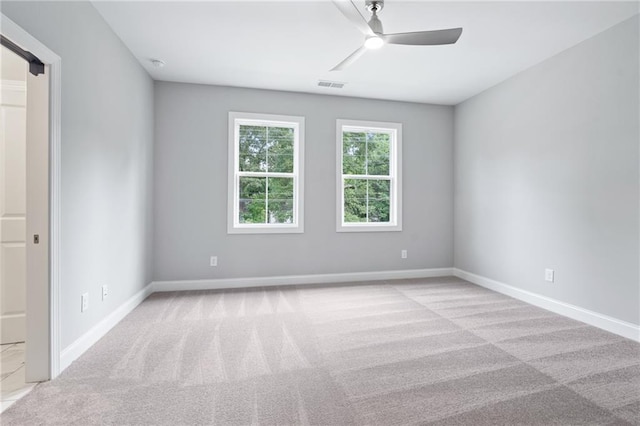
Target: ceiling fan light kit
<point>373,42</point>
<point>374,34</point>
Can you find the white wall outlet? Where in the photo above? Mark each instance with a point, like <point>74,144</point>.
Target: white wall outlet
<point>105,292</point>
<point>84,302</point>
<point>548,275</point>
<point>213,261</point>
<point>403,254</point>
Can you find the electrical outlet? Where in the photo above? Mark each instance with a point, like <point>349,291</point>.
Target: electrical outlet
<point>403,254</point>
<point>548,275</point>
<point>213,261</point>
<point>105,292</point>
<point>85,302</point>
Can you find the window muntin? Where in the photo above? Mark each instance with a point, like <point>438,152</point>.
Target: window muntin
<point>369,191</point>
<point>265,175</point>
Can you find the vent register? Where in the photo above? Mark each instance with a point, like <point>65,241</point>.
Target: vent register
<point>332,84</point>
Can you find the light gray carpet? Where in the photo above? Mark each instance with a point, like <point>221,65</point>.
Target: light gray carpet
<point>430,351</point>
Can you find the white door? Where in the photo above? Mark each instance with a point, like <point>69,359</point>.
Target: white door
<point>12,210</point>
<point>42,321</point>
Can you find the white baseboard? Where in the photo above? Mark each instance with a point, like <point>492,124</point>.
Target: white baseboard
<point>88,339</point>
<point>222,283</point>
<point>613,325</point>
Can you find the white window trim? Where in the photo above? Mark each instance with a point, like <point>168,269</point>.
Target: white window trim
<point>233,224</point>
<point>395,169</point>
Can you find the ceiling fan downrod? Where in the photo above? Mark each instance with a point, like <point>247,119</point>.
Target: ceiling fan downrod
<point>374,23</point>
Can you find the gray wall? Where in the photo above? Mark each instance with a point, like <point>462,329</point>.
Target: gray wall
<point>191,187</point>
<point>107,159</point>
<point>546,176</point>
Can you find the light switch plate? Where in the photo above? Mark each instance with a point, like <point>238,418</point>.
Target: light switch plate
<point>84,302</point>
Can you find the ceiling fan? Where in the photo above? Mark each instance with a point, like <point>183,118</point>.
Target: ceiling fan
<point>375,38</point>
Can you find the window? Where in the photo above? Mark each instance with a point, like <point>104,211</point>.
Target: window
<point>265,173</point>
<point>369,191</point>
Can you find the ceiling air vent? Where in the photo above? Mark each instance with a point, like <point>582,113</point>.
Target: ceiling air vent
<point>333,84</point>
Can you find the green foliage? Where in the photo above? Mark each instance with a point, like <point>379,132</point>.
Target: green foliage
<point>253,199</point>
<point>280,200</point>
<point>355,200</point>
<point>265,199</point>
<point>365,153</point>
<point>379,201</point>
<point>266,149</point>
<point>366,199</point>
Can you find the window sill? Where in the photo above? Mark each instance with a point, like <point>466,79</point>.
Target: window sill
<point>369,228</point>
<point>265,230</point>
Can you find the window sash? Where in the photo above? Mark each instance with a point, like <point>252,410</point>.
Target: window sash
<point>267,125</point>
<point>365,131</point>
<point>236,120</point>
<point>393,177</point>
<point>390,177</point>
<point>392,211</point>
<point>267,175</point>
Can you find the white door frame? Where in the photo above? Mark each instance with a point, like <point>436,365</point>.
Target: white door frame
<point>51,322</point>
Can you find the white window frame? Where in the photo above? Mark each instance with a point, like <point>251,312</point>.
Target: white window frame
<point>395,176</point>
<point>236,119</point>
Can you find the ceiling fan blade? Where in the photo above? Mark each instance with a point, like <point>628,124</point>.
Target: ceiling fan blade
<point>424,38</point>
<point>352,13</point>
<point>350,59</point>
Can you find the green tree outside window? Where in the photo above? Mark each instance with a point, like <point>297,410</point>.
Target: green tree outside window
<point>366,172</point>
<point>266,150</point>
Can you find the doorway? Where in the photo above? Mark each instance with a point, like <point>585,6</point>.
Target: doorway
<point>29,208</point>
<point>23,205</point>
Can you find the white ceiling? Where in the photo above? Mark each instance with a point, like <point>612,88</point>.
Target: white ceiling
<point>291,45</point>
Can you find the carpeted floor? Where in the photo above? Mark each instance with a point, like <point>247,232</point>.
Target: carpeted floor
<point>430,351</point>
